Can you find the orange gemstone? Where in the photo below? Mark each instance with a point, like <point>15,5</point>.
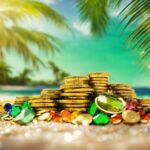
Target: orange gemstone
<point>75,114</point>
<point>66,115</point>
<point>57,118</point>
<point>146,117</point>
<point>116,119</point>
<point>52,113</point>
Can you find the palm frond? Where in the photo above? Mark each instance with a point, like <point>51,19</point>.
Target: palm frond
<point>137,13</point>
<point>18,9</point>
<point>94,12</point>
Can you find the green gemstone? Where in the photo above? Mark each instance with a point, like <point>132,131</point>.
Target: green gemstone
<point>26,116</point>
<point>29,116</point>
<point>110,104</point>
<point>26,105</point>
<point>101,119</point>
<point>92,109</point>
<point>15,111</point>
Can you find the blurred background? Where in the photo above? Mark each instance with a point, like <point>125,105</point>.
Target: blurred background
<point>43,42</point>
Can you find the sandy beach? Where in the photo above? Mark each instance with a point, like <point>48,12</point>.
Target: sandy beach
<point>65,136</point>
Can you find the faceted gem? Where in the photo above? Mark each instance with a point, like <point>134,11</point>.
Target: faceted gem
<point>57,118</point>
<point>15,110</point>
<point>83,119</point>
<point>44,116</point>
<point>101,119</point>
<point>146,117</point>
<point>52,113</point>
<point>26,116</point>
<point>110,104</point>
<point>29,116</point>
<point>8,107</point>
<point>116,119</point>
<point>130,116</point>
<point>75,114</point>
<point>66,115</point>
<point>92,109</point>
<point>26,105</point>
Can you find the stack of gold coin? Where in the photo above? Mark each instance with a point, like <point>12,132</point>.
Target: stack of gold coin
<point>123,90</point>
<point>75,94</point>
<point>42,103</point>
<point>99,82</point>
<point>145,102</point>
<point>51,94</point>
<point>20,100</point>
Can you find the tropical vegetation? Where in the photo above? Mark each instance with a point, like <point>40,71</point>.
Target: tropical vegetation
<point>133,12</point>
<point>14,37</point>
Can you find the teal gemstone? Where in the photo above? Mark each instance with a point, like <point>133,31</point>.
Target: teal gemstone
<point>26,116</point>
<point>15,111</point>
<point>101,119</point>
<point>92,109</point>
<point>26,105</point>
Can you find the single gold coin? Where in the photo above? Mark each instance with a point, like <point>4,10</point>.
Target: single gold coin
<point>75,97</point>
<point>50,91</point>
<point>78,90</point>
<point>131,117</point>
<point>95,82</point>
<point>76,78</point>
<point>43,104</point>
<point>75,105</point>
<point>73,101</point>
<point>98,74</point>
<point>75,94</point>
<point>43,101</point>
<point>74,86</point>
<point>75,109</point>
<point>145,101</point>
<point>37,109</point>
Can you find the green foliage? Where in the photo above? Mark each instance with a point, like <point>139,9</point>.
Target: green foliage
<point>136,12</point>
<point>17,38</point>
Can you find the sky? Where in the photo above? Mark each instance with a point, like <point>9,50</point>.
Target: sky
<point>81,53</point>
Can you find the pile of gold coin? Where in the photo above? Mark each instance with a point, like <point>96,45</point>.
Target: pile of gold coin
<point>76,94</point>
<point>123,90</point>
<point>42,103</point>
<point>145,102</point>
<point>99,82</point>
<point>20,100</point>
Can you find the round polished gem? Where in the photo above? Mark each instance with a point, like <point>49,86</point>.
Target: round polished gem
<point>110,104</point>
<point>146,117</point>
<point>29,116</point>
<point>8,107</point>
<point>44,116</point>
<point>101,119</point>
<point>92,109</point>
<point>26,105</point>
<point>66,115</point>
<point>57,118</point>
<point>116,119</point>
<point>83,119</point>
<point>130,116</point>
<point>15,110</point>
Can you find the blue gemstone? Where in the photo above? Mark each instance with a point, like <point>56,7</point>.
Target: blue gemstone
<point>8,107</point>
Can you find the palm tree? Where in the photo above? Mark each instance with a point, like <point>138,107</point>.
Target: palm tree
<point>24,76</point>
<point>5,72</point>
<point>96,12</point>
<point>58,72</point>
<point>17,38</point>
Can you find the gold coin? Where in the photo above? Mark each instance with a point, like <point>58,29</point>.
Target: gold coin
<point>73,101</point>
<point>43,101</point>
<point>78,90</point>
<point>76,78</point>
<point>75,94</point>
<point>75,97</point>
<point>94,83</point>
<point>145,101</point>
<point>74,105</point>
<point>75,109</point>
<point>45,109</point>
<point>50,91</point>
<point>130,116</point>
<point>98,74</point>
<point>43,104</point>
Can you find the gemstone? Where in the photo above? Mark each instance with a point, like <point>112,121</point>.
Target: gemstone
<point>75,114</point>
<point>146,117</point>
<point>83,119</point>
<point>7,107</point>
<point>92,109</point>
<point>110,104</point>
<point>26,116</point>
<point>26,105</point>
<point>44,116</point>
<point>57,118</point>
<point>101,119</point>
<point>116,119</point>
<point>130,116</point>
<point>66,115</point>
<point>15,110</point>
